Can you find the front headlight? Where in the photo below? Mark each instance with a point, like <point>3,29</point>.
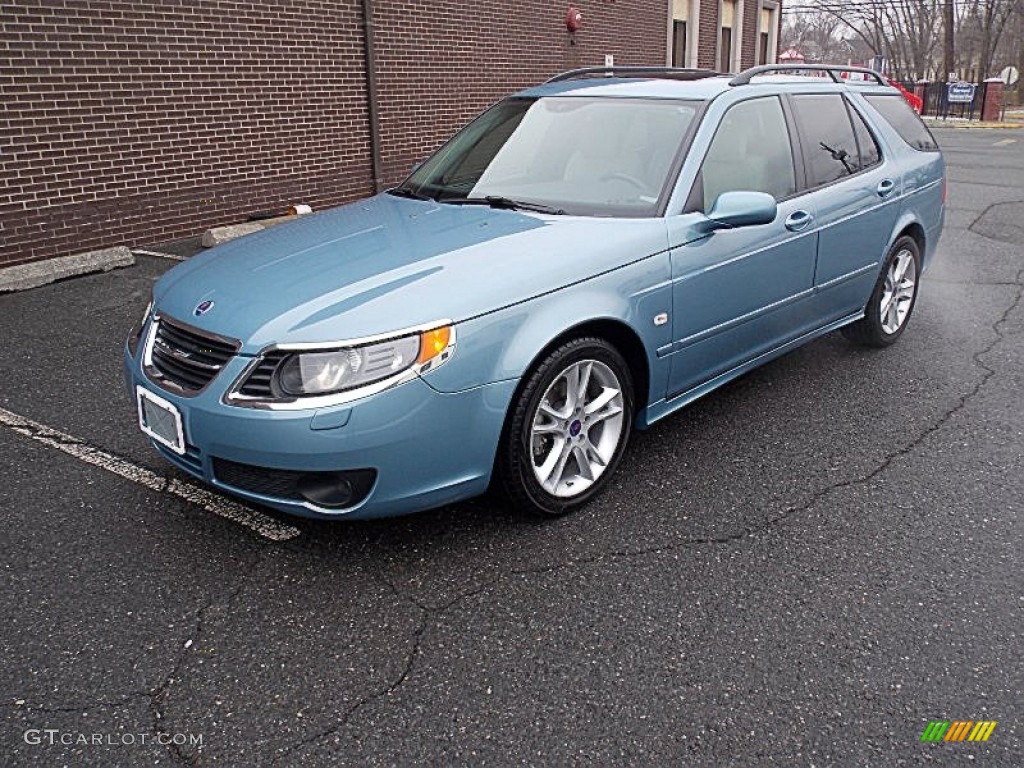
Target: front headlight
<point>298,376</point>
<point>317,373</point>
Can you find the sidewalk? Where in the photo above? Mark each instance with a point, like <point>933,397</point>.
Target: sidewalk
<point>960,122</point>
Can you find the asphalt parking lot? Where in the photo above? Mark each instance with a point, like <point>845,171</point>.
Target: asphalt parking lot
<point>804,568</point>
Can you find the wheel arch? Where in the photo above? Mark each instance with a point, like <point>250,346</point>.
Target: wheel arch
<point>621,336</point>
<point>915,231</point>
<point>909,224</point>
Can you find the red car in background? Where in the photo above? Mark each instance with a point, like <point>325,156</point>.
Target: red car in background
<point>913,99</point>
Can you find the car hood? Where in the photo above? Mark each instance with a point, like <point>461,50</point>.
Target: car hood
<point>389,263</point>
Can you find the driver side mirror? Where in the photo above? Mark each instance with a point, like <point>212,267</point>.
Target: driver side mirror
<point>740,209</point>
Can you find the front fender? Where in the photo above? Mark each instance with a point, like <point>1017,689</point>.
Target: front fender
<point>504,344</point>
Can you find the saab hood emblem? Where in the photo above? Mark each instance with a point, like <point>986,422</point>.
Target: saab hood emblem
<point>203,307</point>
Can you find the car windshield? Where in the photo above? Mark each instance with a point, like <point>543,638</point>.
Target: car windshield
<point>567,154</point>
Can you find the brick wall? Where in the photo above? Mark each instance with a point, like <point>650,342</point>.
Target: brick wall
<point>442,62</point>
<point>132,121</point>
<point>136,121</point>
<point>710,30</point>
<point>750,42</point>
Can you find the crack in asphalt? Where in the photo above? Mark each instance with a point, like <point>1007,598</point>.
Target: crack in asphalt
<point>971,227</point>
<point>387,690</point>
<point>157,696</point>
<point>83,707</point>
<point>430,612</point>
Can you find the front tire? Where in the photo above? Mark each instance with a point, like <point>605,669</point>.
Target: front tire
<point>568,428</point>
<point>892,301</point>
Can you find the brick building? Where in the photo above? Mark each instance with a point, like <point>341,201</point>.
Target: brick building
<point>135,121</point>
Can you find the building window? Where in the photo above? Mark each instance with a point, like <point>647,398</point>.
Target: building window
<point>678,43</point>
<point>729,37</point>
<point>767,27</point>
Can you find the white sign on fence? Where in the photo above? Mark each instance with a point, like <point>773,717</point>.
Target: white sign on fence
<point>960,93</point>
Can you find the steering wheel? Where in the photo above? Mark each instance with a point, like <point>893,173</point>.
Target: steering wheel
<point>620,176</point>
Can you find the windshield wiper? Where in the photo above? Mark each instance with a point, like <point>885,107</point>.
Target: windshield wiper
<point>506,203</point>
<point>410,193</point>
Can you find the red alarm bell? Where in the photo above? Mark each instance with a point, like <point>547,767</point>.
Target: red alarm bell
<point>573,19</point>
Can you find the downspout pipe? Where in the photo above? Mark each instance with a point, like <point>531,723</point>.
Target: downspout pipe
<point>371,95</point>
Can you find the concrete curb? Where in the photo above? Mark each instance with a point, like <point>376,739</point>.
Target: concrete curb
<point>21,277</point>
<point>218,235</point>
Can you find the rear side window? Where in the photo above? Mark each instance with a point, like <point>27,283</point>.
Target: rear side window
<point>829,146</point>
<point>869,153</point>
<point>899,114</point>
<point>751,151</point>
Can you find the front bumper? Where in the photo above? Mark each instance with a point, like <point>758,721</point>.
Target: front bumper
<point>428,448</point>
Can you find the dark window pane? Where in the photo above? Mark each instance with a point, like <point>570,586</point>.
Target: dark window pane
<point>830,150</point>
<point>763,56</point>
<point>750,152</point>
<point>679,44</point>
<point>726,57</point>
<point>901,116</point>
<point>869,154</point>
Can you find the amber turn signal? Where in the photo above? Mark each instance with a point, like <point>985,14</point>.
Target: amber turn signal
<point>433,343</point>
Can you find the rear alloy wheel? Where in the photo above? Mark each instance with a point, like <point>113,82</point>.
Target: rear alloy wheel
<point>569,427</point>
<point>892,301</point>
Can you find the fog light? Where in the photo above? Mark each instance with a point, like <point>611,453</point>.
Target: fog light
<point>325,491</point>
<point>335,490</point>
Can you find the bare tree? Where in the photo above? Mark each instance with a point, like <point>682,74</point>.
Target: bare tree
<point>904,31</point>
<point>985,20</point>
<point>916,37</point>
<point>816,34</point>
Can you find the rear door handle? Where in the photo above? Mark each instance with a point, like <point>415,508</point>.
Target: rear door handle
<point>885,187</point>
<point>798,220</point>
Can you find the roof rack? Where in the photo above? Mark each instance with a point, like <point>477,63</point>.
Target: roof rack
<point>667,73</point>
<point>747,75</point>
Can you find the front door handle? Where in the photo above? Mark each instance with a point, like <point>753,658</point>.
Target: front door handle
<point>885,187</point>
<point>798,220</point>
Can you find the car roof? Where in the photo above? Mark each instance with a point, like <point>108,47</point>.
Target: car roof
<point>633,87</point>
<point>610,85</point>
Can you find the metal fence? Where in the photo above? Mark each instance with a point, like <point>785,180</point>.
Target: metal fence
<point>937,104</point>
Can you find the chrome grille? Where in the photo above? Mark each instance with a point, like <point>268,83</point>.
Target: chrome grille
<point>184,359</point>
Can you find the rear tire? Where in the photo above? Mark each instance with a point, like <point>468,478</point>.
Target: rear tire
<point>567,428</point>
<point>892,301</point>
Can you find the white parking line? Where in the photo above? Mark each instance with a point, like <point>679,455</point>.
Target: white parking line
<point>1004,142</point>
<point>252,519</point>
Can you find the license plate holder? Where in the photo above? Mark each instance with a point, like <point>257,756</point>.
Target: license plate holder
<point>161,420</point>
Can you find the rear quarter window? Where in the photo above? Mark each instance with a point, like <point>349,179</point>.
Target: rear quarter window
<point>829,144</point>
<point>904,120</point>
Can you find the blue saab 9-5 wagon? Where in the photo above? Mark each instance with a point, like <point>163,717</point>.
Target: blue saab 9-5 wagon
<point>585,257</point>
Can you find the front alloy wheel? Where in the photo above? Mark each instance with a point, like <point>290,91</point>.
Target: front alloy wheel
<point>568,428</point>
<point>577,427</point>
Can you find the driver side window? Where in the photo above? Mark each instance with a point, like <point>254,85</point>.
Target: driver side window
<point>751,151</point>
